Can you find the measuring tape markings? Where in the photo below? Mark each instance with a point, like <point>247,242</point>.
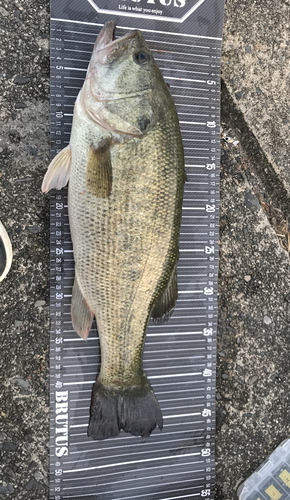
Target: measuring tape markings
<point>206,286</point>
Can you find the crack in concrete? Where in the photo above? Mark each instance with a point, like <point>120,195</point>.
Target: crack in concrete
<point>271,186</point>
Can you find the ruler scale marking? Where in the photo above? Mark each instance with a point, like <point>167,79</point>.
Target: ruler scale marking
<point>189,337</point>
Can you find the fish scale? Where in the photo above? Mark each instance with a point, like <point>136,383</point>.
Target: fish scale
<point>104,271</point>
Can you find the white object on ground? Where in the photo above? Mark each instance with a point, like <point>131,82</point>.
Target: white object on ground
<point>8,250</point>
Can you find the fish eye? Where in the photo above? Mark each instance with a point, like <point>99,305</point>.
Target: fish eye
<point>141,58</point>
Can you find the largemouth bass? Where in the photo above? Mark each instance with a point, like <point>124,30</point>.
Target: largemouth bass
<point>125,167</point>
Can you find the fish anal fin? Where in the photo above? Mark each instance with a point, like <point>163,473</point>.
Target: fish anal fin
<point>81,315</point>
<point>99,170</point>
<point>165,303</point>
<point>58,172</point>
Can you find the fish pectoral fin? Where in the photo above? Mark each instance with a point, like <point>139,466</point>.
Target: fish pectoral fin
<point>165,303</point>
<point>99,170</point>
<point>81,315</point>
<point>58,172</point>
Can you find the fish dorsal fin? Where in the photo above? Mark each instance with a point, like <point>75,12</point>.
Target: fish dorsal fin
<point>165,303</point>
<point>58,172</point>
<point>99,170</point>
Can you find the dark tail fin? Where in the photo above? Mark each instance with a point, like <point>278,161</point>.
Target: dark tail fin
<point>134,409</point>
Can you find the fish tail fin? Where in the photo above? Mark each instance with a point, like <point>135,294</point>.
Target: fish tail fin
<point>133,409</point>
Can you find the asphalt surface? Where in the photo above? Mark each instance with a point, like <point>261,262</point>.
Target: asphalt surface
<point>254,294</point>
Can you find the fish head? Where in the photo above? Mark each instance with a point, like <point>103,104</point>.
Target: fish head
<point>123,83</point>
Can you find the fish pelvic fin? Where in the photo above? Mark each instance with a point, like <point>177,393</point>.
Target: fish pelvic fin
<point>165,303</point>
<point>99,170</point>
<point>81,315</point>
<point>133,409</point>
<point>58,172</point>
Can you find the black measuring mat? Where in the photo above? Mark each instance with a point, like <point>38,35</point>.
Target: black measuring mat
<point>179,357</point>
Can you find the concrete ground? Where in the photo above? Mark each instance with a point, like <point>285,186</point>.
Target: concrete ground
<point>253,342</point>
<point>254,293</point>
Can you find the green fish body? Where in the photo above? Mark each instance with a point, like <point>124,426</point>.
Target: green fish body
<point>125,166</point>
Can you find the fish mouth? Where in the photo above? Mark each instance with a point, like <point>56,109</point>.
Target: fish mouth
<point>107,43</point>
